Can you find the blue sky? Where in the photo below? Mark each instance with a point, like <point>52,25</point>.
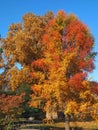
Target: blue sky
<point>11,11</point>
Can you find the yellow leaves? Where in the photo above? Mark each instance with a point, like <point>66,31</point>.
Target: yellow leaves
<point>34,25</point>
<point>16,77</point>
<point>35,101</point>
<point>37,89</point>
<point>94,112</point>
<point>84,107</point>
<point>15,27</point>
<point>22,42</point>
<point>85,95</point>
<point>38,76</point>
<point>62,65</point>
<point>60,19</point>
<point>71,107</point>
<point>55,86</point>
<point>36,97</point>
<point>86,84</point>
<point>33,104</point>
<point>1,82</point>
<point>66,61</point>
<point>27,20</point>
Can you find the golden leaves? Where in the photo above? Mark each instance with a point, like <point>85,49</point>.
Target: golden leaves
<point>53,50</point>
<point>16,77</point>
<point>71,107</point>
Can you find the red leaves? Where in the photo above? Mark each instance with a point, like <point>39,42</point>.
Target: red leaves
<point>66,45</point>
<point>95,90</point>
<point>75,30</point>
<point>78,33</point>
<point>38,63</point>
<point>9,102</point>
<point>76,81</point>
<point>94,86</point>
<point>86,65</point>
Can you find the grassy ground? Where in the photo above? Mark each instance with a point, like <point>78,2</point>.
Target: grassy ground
<point>89,125</point>
<point>60,126</point>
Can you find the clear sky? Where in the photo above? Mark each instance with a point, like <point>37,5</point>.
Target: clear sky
<point>11,11</point>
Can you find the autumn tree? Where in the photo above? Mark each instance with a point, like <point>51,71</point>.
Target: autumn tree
<point>61,73</point>
<point>1,65</point>
<point>56,55</point>
<point>10,108</point>
<point>22,46</point>
<point>94,85</point>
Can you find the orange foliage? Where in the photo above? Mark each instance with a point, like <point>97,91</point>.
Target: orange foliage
<point>67,45</point>
<point>94,87</point>
<point>39,63</point>
<point>76,81</point>
<point>36,89</point>
<point>10,102</point>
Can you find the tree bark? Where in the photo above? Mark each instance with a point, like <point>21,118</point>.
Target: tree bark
<point>67,125</point>
<point>67,122</point>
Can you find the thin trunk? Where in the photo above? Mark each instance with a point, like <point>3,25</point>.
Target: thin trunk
<point>67,122</point>
<point>67,125</point>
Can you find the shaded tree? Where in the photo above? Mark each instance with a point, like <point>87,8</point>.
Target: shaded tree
<point>10,108</point>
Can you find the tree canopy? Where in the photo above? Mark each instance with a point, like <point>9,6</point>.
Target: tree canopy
<point>62,71</point>
<point>55,52</point>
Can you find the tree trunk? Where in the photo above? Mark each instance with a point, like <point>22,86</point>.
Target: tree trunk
<point>48,115</point>
<point>67,125</point>
<point>67,122</point>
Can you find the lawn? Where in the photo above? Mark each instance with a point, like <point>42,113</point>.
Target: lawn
<point>60,126</point>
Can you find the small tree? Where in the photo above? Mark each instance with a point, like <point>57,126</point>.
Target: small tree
<point>10,108</point>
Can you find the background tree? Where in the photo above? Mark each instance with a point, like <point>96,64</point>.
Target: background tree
<point>22,46</point>
<point>10,108</point>
<point>1,65</point>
